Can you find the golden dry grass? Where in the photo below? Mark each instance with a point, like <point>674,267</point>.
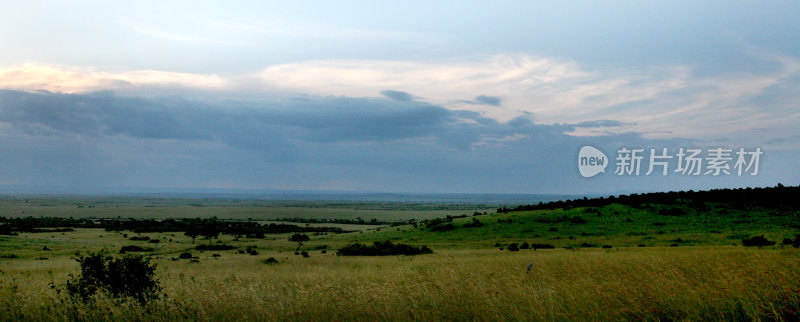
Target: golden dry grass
<point>697,283</point>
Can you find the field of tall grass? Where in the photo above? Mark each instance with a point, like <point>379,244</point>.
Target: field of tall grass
<point>654,283</point>
<point>675,261</point>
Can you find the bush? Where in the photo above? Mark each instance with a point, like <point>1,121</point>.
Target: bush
<point>270,261</point>
<point>513,247</point>
<point>524,245</point>
<point>138,238</point>
<point>185,256</point>
<point>607,246</point>
<point>757,241</point>
<point>132,277</point>
<point>304,253</point>
<point>214,247</point>
<point>535,246</point>
<point>475,223</point>
<point>382,249</point>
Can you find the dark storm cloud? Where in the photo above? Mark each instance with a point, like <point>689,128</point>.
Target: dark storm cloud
<point>312,119</point>
<point>488,100</point>
<point>397,95</point>
<point>271,125</point>
<point>307,142</point>
<point>484,100</point>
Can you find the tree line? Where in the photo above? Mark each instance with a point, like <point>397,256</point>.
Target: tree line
<point>778,197</point>
<point>10,226</point>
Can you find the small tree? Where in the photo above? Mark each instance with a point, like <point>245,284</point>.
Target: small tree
<point>299,239</point>
<point>210,231</point>
<point>192,233</point>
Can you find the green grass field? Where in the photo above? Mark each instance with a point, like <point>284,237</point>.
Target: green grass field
<point>163,208</point>
<point>708,276</point>
<point>614,225</point>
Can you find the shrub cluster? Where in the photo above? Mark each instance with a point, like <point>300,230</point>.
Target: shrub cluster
<point>134,248</point>
<point>270,261</point>
<point>214,247</point>
<point>475,223</point>
<point>132,277</point>
<point>542,246</point>
<point>379,248</point>
<point>757,241</point>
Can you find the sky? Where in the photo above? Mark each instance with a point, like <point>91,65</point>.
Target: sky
<point>407,97</point>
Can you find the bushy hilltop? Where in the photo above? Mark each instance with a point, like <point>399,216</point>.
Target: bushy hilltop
<point>686,218</point>
<point>778,197</point>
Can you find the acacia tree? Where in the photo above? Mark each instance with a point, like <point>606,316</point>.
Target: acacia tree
<point>192,233</point>
<point>210,231</point>
<point>299,239</point>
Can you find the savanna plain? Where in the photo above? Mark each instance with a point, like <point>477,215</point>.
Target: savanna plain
<point>676,256</point>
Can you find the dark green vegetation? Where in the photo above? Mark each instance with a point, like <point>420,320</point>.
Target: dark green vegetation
<point>131,276</point>
<point>718,217</point>
<point>778,197</point>
<point>203,227</point>
<point>385,248</point>
<point>620,258</point>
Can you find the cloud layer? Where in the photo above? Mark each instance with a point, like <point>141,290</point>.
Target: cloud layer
<point>307,142</point>
<point>663,102</point>
<point>506,123</point>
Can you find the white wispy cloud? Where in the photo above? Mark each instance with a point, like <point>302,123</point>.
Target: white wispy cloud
<point>659,102</point>
<point>71,79</point>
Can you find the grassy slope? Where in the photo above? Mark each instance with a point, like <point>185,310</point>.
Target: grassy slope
<point>616,225</point>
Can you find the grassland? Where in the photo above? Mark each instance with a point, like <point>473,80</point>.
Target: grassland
<point>164,208</point>
<point>719,283</point>
<point>708,276</point>
<point>614,225</point>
